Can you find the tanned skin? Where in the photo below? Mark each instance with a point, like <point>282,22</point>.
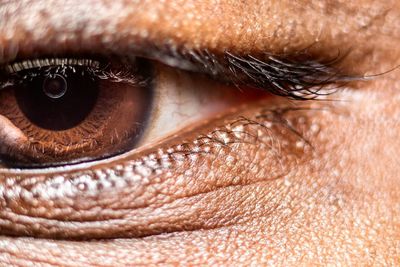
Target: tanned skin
<point>328,193</point>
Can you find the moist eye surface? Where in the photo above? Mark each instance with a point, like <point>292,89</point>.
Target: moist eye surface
<point>57,101</point>
<point>59,111</point>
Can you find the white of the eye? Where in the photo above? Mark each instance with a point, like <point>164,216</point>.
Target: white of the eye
<point>182,99</point>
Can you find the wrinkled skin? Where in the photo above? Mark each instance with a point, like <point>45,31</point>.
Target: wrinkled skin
<point>272,199</point>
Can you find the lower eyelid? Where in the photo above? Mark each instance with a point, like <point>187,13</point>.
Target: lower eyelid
<point>158,192</point>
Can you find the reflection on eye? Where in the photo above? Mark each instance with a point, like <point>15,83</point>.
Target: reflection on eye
<point>61,111</point>
<point>56,111</point>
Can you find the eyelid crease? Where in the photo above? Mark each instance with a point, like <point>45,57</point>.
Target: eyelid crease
<point>104,31</point>
<point>299,75</point>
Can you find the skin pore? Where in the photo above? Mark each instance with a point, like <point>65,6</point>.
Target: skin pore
<point>280,182</point>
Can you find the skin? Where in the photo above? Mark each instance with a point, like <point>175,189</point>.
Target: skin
<point>261,196</point>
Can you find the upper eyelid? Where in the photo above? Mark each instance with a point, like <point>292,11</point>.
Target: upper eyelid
<point>281,74</point>
<point>298,75</point>
<point>220,65</point>
<point>69,21</point>
<point>285,75</point>
<point>24,65</point>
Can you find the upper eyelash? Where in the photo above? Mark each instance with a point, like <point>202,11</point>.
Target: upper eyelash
<point>49,62</point>
<point>279,75</point>
<point>284,75</point>
<point>299,76</point>
<point>94,67</point>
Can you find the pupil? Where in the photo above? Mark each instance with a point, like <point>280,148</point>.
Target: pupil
<point>57,102</point>
<point>55,87</point>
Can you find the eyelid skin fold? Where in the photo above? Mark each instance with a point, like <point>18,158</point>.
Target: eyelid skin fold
<point>141,194</point>
<point>127,34</point>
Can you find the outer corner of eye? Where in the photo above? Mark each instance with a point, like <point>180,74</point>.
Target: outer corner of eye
<point>61,111</point>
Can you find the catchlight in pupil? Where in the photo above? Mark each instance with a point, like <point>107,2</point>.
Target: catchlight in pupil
<point>57,101</point>
<point>55,86</point>
<point>65,111</point>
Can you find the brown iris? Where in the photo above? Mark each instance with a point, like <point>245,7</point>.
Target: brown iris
<point>65,114</point>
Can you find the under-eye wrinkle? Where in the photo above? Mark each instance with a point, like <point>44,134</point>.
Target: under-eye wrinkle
<point>125,189</point>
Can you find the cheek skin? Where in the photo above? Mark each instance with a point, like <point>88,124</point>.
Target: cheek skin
<point>334,201</point>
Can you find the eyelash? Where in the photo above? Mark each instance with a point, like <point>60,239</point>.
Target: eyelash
<point>280,76</point>
<point>95,68</point>
<point>298,76</point>
<point>133,169</point>
<point>132,73</point>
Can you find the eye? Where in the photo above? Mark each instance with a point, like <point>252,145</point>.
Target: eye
<point>64,110</point>
<point>58,111</point>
